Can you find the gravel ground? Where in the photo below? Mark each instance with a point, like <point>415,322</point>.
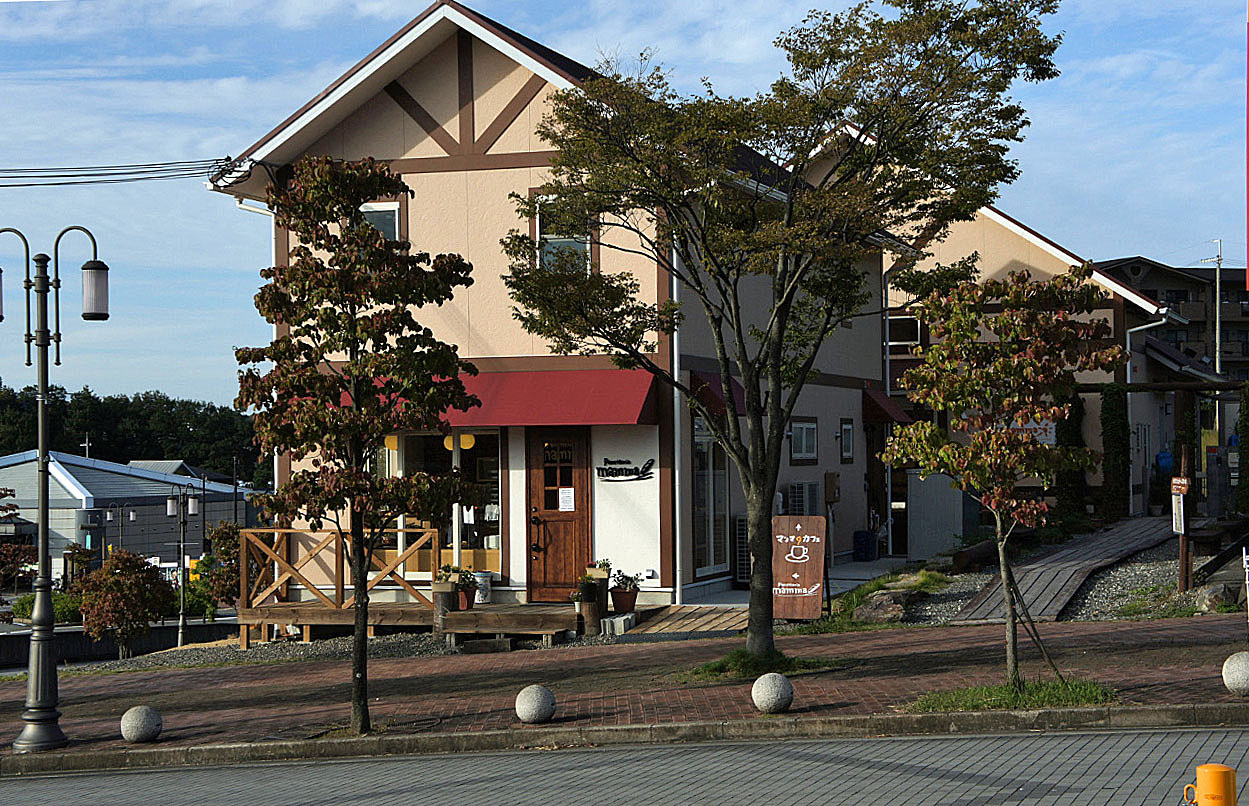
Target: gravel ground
<point>227,652</point>
<point>1098,599</point>
<point>1101,596</point>
<point>940,607</point>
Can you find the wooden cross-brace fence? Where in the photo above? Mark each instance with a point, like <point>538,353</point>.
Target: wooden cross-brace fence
<point>266,552</point>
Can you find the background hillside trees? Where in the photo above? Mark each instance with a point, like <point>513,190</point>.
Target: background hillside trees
<point>147,425</point>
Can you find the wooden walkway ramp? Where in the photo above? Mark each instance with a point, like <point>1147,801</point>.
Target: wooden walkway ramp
<point>693,618</point>
<point>1049,583</point>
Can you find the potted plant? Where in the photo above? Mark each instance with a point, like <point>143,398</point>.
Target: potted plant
<point>575,596</point>
<point>600,569</point>
<point>624,591</point>
<point>465,584</point>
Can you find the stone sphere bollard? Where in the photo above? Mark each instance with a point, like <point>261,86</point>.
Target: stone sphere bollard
<point>1236,673</point>
<point>772,693</point>
<point>140,724</point>
<point>535,704</point>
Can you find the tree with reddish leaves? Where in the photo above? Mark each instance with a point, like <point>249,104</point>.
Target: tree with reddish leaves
<point>15,559</point>
<point>351,364</point>
<point>122,598</point>
<point>1005,354</point>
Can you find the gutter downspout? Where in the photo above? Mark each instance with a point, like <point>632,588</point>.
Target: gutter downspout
<point>1127,344</point>
<point>678,530</point>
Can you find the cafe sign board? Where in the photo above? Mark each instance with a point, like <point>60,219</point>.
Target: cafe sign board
<point>797,566</point>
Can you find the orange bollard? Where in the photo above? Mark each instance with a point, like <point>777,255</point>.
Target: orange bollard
<point>1216,786</point>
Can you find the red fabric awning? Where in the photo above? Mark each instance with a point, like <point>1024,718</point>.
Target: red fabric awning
<point>567,397</point>
<point>710,392</point>
<point>878,407</point>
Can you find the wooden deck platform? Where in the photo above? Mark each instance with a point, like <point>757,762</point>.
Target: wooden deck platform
<point>1049,583</point>
<point>693,618</point>
<point>489,619</point>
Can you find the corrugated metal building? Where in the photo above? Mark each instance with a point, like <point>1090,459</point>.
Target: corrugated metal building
<point>105,506</point>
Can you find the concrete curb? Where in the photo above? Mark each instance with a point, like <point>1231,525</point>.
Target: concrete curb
<point>755,728</point>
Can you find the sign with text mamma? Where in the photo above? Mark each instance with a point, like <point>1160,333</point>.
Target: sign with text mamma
<point>797,566</point>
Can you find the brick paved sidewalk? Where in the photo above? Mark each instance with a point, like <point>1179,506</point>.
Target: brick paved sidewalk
<point>1174,661</point>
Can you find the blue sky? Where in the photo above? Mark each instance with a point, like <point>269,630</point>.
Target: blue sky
<point>1137,149</point>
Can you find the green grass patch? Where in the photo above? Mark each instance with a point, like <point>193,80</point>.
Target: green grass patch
<point>1156,601</point>
<point>843,606</point>
<point>742,665</point>
<point>1036,694</point>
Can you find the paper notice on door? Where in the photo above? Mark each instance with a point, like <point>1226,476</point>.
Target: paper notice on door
<point>566,499</point>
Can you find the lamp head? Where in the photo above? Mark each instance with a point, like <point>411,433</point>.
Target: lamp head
<point>95,291</point>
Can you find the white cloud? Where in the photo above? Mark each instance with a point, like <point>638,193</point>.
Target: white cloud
<point>80,19</point>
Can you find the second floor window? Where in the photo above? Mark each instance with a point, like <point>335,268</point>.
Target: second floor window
<point>802,441</point>
<point>553,244</point>
<point>384,216</point>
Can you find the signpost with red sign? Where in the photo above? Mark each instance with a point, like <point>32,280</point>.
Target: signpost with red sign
<point>797,566</point>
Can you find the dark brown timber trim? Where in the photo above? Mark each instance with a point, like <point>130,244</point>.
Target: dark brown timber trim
<point>472,162</point>
<point>519,103</point>
<point>423,119</point>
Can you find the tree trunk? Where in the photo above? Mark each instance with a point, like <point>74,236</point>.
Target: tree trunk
<point>360,723</point>
<point>1012,634</point>
<point>759,638</point>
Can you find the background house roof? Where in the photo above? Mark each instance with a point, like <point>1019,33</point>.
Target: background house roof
<point>79,481</point>
<point>178,467</point>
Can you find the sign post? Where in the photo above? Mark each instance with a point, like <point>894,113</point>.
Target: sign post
<point>797,566</point>
<point>1179,526</point>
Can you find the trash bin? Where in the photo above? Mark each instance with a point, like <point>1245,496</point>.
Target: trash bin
<point>864,546</point>
<point>483,578</point>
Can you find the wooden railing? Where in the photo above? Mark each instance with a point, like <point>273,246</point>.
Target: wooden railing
<point>268,549</point>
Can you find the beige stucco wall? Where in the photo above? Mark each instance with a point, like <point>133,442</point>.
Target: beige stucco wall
<point>853,351</point>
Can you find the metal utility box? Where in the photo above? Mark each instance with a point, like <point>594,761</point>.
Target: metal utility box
<point>939,516</point>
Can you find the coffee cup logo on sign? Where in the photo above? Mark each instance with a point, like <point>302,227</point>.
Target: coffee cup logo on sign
<point>798,554</point>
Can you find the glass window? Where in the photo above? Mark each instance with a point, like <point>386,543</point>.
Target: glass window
<point>802,441</point>
<point>479,525</point>
<point>552,244</point>
<point>384,216</point>
<point>480,540</point>
<point>711,502</point>
<point>1176,295</point>
<point>847,440</point>
<point>904,333</point>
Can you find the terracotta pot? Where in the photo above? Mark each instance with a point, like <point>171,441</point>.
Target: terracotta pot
<point>465,600</point>
<point>623,601</point>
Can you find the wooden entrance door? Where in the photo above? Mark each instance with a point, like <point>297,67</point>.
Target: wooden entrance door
<point>559,511</point>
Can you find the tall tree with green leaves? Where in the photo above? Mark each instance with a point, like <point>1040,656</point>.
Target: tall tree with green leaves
<point>893,118</point>
<point>1005,354</point>
<point>351,365</point>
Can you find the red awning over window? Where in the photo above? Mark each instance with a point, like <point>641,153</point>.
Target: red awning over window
<point>710,392</point>
<point>878,407</point>
<point>568,397</point>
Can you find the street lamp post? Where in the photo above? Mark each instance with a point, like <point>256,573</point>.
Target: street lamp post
<point>42,729</point>
<point>119,513</point>
<point>181,503</point>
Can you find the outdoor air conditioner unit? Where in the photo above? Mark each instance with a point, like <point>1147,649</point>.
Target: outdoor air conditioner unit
<point>741,557</point>
<point>804,498</point>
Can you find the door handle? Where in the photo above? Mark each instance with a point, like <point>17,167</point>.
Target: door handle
<point>534,547</point>
<point>535,520</point>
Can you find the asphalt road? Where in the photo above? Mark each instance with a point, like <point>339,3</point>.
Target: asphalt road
<point>1146,767</point>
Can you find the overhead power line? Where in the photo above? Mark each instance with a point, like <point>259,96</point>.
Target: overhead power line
<point>110,174</point>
